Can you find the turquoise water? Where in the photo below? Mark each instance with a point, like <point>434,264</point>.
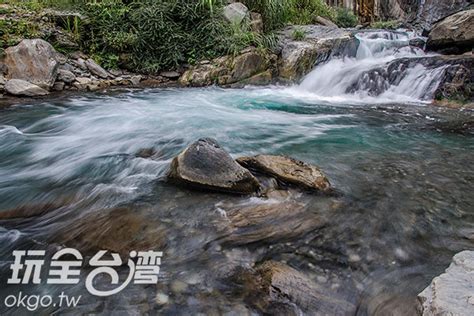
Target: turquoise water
<point>405,180</point>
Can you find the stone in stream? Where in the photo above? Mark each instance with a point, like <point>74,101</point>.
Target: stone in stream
<point>451,293</point>
<point>119,230</point>
<point>268,222</point>
<point>275,288</point>
<point>23,88</point>
<point>33,60</point>
<point>289,171</point>
<point>454,33</point>
<point>206,165</point>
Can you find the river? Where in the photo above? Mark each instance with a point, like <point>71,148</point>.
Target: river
<point>70,175</point>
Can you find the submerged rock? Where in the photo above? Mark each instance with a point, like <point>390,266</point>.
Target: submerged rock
<point>454,33</point>
<point>33,60</point>
<point>276,288</point>
<point>206,165</point>
<point>23,88</point>
<point>119,230</point>
<point>268,222</point>
<point>451,293</point>
<point>288,171</point>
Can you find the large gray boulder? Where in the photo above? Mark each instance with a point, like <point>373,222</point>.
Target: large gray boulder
<point>251,66</point>
<point>33,60</point>
<point>456,32</point>
<point>288,170</point>
<point>206,165</point>
<point>20,87</point>
<point>235,12</point>
<point>299,56</point>
<point>451,293</point>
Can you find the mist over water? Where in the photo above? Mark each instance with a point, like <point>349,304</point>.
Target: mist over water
<point>70,172</point>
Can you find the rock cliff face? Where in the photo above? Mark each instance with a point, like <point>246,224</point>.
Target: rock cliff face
<point>454,33</point>
<point>421,13</point>
<point>431,11</point>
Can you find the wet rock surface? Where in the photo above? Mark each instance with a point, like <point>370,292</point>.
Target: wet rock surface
<point>276,288</point>
<point>298,57</point>
<point>452,292</point>
<point>456,78</point>
<point>288,171</point>
<point>272,221</point>
<point>204,164</point>
<point>119,230</point>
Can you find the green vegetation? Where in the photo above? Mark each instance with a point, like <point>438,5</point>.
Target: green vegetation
<point>298,34</point>
<point>392,24</point>
<point>149,36</point>
<point>277,13</point>
<point>12,31</point>
<point>345,18</point>
<point>152,35</point>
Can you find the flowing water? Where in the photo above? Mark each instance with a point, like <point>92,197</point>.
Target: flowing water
<point>70,176</point>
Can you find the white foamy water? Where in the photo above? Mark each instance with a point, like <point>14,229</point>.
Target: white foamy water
<point>365,77</point>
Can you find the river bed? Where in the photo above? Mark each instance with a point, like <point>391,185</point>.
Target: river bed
<point>69,167</point>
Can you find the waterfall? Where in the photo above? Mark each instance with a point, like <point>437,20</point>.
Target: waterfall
<point>385,68</point>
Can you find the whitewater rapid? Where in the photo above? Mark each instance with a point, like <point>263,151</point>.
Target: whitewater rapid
<point>365,77</point>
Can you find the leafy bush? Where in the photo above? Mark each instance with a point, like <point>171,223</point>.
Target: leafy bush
<point>149,36</point>
<point>277,13</point>
<point>345,18</point>
<point>12,31</point>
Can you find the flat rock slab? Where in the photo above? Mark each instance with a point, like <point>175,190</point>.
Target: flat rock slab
<point>205,164</point>
<point>119,230</point>
<point>451,293</point>
<point>23,88</point>
<point>268,223</point>
<point>288,170</point>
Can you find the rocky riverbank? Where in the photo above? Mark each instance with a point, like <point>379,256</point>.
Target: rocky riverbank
<point>35,68</point>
